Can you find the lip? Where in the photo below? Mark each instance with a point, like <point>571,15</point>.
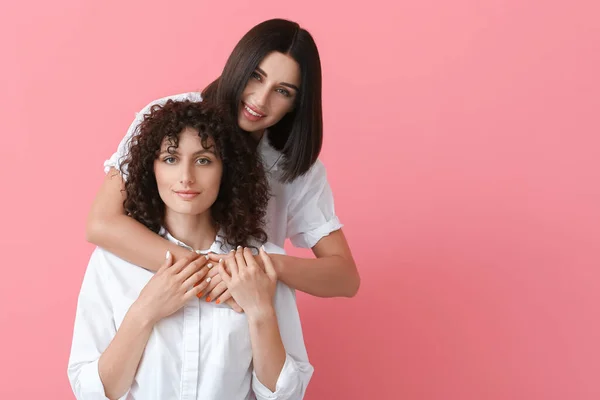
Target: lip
<point>187,194</point>
<point>255,109</point>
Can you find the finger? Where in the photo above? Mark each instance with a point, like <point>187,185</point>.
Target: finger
<point>192,268</point>
<point>179,265</point>
<point>195,279</point>
<point>214,281</point>
<point>217,291</point>
<point>234,305</point>
<point>217,257</point>
<point>204,285</point>
<point>213,271</point>
<point>193,292</point>
<point>249,258</point>
<point>269,267</point>
<point>224,297</point>
<point>167,263</point>
<point>231,264</point>
<point>224,275</point>
<point>239,258</point>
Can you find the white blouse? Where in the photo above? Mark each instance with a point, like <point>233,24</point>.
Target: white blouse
<point>302,210</point>
<point>202,351</point>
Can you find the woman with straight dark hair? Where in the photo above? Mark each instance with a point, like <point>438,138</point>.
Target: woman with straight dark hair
<point>271,85</point>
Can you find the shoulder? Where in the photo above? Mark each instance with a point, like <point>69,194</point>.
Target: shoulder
<point>314,179</point>
<point>110,266</point>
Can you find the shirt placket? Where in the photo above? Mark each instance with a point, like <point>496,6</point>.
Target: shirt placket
<point>191,350</point>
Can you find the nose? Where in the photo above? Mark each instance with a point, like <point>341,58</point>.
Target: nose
<point>262,96</point>
<point>187,175</point>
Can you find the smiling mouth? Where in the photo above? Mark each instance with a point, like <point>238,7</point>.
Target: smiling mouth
<point>252,112</point>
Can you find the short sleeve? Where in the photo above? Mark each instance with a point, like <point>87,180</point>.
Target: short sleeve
<point>116,160</point>
<point>311,211</point>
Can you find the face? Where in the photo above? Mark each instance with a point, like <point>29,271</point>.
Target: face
<point>270,93</point>
<point>188,178</point>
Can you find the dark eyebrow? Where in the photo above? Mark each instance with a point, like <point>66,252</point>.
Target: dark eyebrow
<point>195,154</point>
<point>209,150</point>
<point>282,83</point>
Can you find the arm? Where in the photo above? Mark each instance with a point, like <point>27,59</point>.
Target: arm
<point>104,360</point>
<point>94,329</point>
<point>312,223</point>
<point>119,362</point>
<point>268,353</point>
<point>110,228</point>
<point>280,364</point>
<point>333,273</point>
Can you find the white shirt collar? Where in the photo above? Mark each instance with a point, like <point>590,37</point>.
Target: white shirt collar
<point>270,155</point>
<point>216,247</point>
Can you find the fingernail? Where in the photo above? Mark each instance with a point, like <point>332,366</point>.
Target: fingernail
<point>239,247</point>
<point>263,248</point>
<point>208,299</point>
<point>198,252</point>
<point>232,250</point>
<point>208,279</point>
<point>220,261</point>
<point>199,295</point>
<point>218,301</point>
<point>168,255</point>
<point>207,257</point>
<point>209,265</point>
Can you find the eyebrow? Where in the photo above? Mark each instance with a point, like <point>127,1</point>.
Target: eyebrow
<point>282,83</point>
<point>195,154</point>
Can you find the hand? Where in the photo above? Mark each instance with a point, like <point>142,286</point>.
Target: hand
<point>251,287</point>
<point>217,289</point>
<point>172,286</point>
<point>216,257</point>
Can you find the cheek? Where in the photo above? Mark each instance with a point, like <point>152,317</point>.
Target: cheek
<point>280,108</point>
<point>211,180</point>
<point>162,177</point>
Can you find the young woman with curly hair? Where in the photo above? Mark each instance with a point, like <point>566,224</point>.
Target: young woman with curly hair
<point>197,183</point>
<point>271,85</point>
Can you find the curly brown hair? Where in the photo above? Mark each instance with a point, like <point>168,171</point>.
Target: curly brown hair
<point>240,208</point>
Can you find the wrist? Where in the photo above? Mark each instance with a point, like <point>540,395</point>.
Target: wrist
<point>261,315</point>
<point>140,314</point>
<point>277,260</point>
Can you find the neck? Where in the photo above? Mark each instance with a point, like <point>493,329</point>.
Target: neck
<point>257,135</point>
<point>197,231</point>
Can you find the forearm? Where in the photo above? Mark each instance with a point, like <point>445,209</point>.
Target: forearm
<point>330,276</point>
<point>268,353</point>
<point>134,242</point>
<point>119,362</point>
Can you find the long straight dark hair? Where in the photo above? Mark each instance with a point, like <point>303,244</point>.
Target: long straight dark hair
<point>299,134</point>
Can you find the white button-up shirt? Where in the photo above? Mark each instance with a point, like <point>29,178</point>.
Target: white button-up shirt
<point>302,210</point>
<point>202,351</point>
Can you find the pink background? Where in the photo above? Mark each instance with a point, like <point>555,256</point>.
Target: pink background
<point>461,143</point>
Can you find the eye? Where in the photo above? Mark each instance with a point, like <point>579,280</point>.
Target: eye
<point>284,92</point>
<point>256,76</point>
<point>203,161</point>
<point>169,160</point>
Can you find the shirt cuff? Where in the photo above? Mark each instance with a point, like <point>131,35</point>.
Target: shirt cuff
<point>112,162</point>
<point>309,239</point>
<point>89,383</point>
<point>286,383</point>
